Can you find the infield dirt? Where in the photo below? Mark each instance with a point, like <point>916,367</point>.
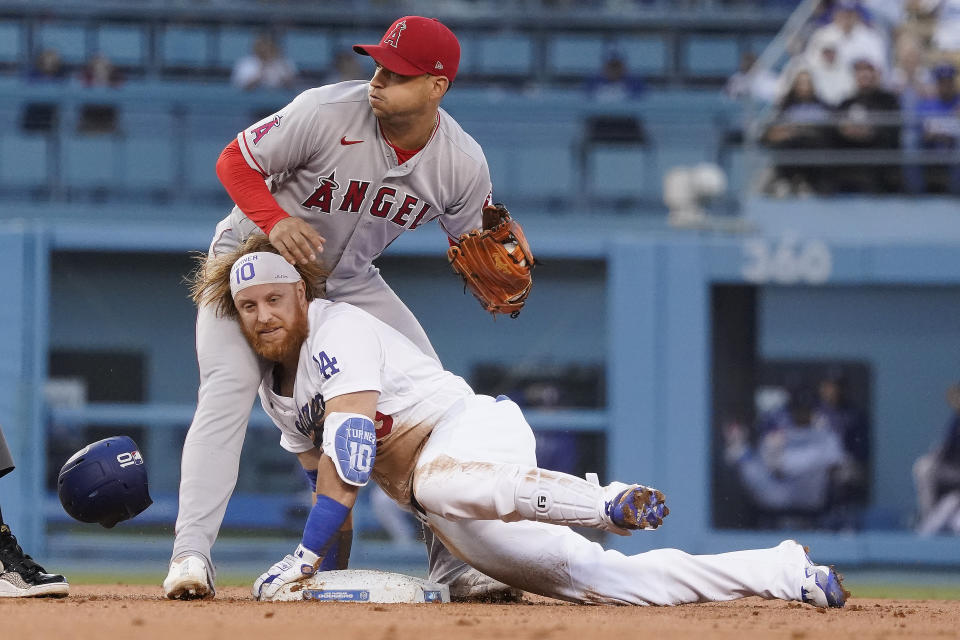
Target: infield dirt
<point>118,611</point>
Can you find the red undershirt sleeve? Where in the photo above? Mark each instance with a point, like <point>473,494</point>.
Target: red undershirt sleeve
<point>247,188</point>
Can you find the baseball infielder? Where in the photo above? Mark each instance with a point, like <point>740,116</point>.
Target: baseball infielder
<point>336,176</point>
<point>379,407</point>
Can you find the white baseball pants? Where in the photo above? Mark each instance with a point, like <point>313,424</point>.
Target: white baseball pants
<point>553,560</point>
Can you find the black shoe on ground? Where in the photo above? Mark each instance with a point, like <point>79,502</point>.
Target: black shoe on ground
<point>20,576</point>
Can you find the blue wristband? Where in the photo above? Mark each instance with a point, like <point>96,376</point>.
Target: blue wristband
<point>311,478</point>
<point>323,524</point>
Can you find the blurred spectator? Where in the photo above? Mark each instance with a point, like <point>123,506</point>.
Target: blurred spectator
<point>855,40</point>
<point>837,414</point>
<point>886,15</point>
<point>937,127</point>
<point>920,19</point>
<point>266,67</point>
<point>100,72</point>
<point>787,475</point>
<point>42,117</point>
<point>937,477</point>
<point>832,80</point>
<point>47,67</point>
<point>347,66</point>
<point>614,82</point>
<point>946,29</point>
<point>870,119</point>
<point>752,82</point>
<point>910,77</point>
<point>803,121</point>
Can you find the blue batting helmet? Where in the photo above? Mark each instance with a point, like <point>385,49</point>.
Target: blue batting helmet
<point>105,482</point>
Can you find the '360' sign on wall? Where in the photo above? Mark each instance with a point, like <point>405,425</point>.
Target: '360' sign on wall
<point>787,260</point>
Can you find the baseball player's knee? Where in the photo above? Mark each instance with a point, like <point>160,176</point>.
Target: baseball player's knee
<point>467,490</point>
<point>429,489</point>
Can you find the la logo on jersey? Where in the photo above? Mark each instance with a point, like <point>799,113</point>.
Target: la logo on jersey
<point>394,37</point>
<point>264,129</point>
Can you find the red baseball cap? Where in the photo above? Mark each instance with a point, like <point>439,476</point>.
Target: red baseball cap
<point>414,45</point>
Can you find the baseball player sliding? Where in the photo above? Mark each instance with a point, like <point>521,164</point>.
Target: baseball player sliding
<point>355,399</point>
<point>333,177</point>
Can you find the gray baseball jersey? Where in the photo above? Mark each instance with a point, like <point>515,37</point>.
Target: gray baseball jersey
<point>328,163</point>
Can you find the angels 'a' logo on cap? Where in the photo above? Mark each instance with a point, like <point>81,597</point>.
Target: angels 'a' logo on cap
<point>394,37</point>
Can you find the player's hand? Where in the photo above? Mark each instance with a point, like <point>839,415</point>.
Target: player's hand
<point>296,240</point>
<point>298,566</point>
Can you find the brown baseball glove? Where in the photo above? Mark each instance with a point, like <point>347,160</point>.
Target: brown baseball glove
<point>495,263</point>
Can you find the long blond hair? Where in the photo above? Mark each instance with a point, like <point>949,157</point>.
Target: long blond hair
<point>209,282</point>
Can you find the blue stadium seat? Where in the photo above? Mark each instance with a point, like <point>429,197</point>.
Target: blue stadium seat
<point>575,55</point>
<point>644,55</point>
<point>146,120</point>
<point>711,55</point>
<point>90,162</point>
<point>344,40</point>
<point>148,162</point>
<point>618,172</point>
<point>503,53</point>
<point>11,35</point>
<point>309,50</point>
<point>123,44</point>
<point>470,59</point>
<point>502,173</point>
<point>23,161</point>
<point>214,126</point>
<point>546,170</point>
<point>68,39</point>
<point>185,47</point>
<point>201,161</point>
<point>234,43</point>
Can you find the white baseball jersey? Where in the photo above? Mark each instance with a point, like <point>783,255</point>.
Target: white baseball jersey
<point>348,350</point>
<point>328,163</point>
<point>477,480</point>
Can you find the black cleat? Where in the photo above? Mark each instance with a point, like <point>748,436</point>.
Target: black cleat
<point>21,577</point>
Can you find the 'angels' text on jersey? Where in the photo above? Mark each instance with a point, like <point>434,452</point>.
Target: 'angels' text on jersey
<point>351,200</point>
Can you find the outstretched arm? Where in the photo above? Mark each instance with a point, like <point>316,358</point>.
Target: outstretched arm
<point>328,532</point>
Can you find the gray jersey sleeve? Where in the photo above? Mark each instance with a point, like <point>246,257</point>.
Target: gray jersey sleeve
<point>287,139</point>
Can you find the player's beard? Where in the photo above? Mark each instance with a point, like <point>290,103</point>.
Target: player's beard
<point>278,351</point>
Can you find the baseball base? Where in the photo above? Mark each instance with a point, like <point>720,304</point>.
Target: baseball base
<point>361,585</point>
